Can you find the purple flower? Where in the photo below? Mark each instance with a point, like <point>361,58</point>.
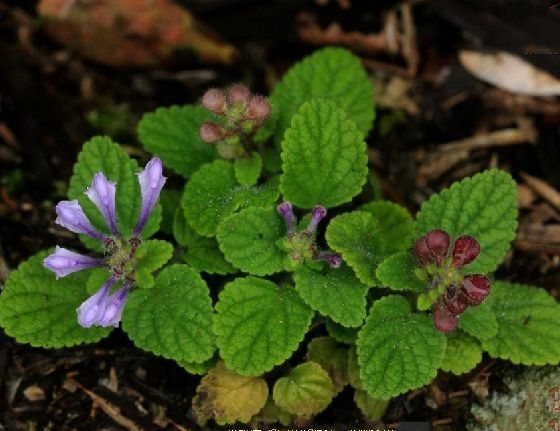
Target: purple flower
<point>286,210</point>
<point>72,217</point>
<point>92,309</point>
<point>102,194</point>
<point>317,215</point>
<point>114,307</point>
<point>151,182</point>
<point>63,262</point>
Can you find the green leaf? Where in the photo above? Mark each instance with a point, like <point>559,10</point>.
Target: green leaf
<point>354,369</point>
<point>373,409</point>
<point>463,353</point>
<point>36,308</point>
<point>258,324</point>
<point>342,334</point>
<point>484,206</point>
<point>199,368</point>
<point>479,321</point>
<point>227,397</point>
<point>397,272</point>
<point>334,292</point>
<point>170,200</point>
<point>307,390</point>
<point>248,169</point>
<point>357,236</point>
<point>332,357</point>
<point>202,253</point>
<point>397,350</point>
<point>174,319</point>
<point>395,222</point>
<point>330,73</point>
<point>172,134</point>
<point>528,322</point>
<point>248,240</point>
<point>323,157</point>
<point>100,154</point>
<point>213,193</point>
<point>151,255</point>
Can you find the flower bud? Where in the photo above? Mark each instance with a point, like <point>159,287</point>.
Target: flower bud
<point>215,101</point>
<point>151,182</point>
<point>238,94</point>
<point>431,248</point>
<point>102,194</point>
<point>211,132</point>
<point>317,215</point>
<point>63,262</point>
<point>92,309</point>
<point>476,287</point>
<point>465,250</point>
<point>258,108</point>
<point>444,321</point>
<point>455,300</point>
<point>71,215</point>
<point>286,210</point>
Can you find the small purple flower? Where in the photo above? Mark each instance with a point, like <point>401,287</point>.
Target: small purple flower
<point>317,215</point>
<point>102,194</point>
<point>63,262</point>
<point>151,182</point>
<point>333,259</point>
<point>286,210</point>
<point>72,217</point>
<point>92,309</point>
<point>114,307</point>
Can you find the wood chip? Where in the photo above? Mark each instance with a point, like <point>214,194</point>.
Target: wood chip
<point>542,188</point>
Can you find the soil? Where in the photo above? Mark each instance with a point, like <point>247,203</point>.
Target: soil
<point>53,99</point>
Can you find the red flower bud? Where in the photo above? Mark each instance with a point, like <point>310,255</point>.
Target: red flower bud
<point>465,250</point>
<point>211,132</point>
<point>455,300</point>
<point>432,247</point>
<point>215,101</point>
<point>258,108</point>
<point>476,287</point>
<point>238,94</point>
<point>444,321</point>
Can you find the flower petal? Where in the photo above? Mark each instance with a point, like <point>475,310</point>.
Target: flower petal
<point>444,321</point>
<point>465,250</point>
<point>432,247</point>
<point>63,262</point>
<point>115,305</point>
<point>476,287</point>
<point>71,215</point>
<point>102,194</point>
<point>90,312</point>
<point>151,182</point>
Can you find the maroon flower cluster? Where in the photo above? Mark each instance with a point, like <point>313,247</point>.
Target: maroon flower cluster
<point>242,113</point>
<point>435,249</point>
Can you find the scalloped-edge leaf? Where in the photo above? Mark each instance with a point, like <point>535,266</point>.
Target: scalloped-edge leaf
<point>172,133</point>
<point>259,324</point>
<point>334,292</point>
<point>213,193</point>
<point>463,353</point>
<point>340,333</point>
<point>479,321</point>
<point>333,357</point>
<point>395,222</point>
<point>528,321</point>
<point>307,390</point>
<point>227,397</point>
<point>397,350</point>
<point>248,169</point>
<point>397,272</point>
<point>357,236</point>
<point>323,157</point>
<point>151,255</point>
<point>484,206</point>
<point>372,408</point>
<point>331,73</point>
<point>202,253</point>
<point>248,240</point>
<point>173,319</point>
<point>38,309</point>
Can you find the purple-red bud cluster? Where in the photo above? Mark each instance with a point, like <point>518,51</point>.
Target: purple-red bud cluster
<point>435,248</point>
<point>238,106</point>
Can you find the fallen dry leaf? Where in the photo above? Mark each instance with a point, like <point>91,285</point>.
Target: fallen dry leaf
<point>138,33</point>
<point>510,73</point>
